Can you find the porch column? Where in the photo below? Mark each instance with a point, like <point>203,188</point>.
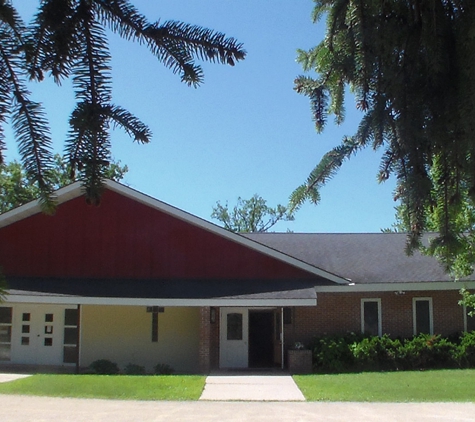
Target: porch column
<point>205,340</point>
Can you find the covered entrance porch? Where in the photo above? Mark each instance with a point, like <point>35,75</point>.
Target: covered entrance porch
<point>251,337</point>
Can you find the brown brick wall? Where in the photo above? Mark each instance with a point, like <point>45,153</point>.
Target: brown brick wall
<point>214,342</point>
<point>209,340</point>
<point>340,313</point>
<point>205,336</point>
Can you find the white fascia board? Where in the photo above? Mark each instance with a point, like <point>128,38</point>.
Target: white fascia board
<point>235,237</point>
<point>391,287</point>
<point>77,300</point>
<point>34,207</point>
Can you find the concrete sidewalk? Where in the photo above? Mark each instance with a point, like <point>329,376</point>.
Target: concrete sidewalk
<point>12,377</point>
<point>239,387</point>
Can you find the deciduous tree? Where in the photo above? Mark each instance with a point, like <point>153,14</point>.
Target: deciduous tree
<point>16,188</point>
<point>250,215</point>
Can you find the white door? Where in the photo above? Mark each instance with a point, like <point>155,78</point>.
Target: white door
<point>234,332</point>
<point>37,334</point>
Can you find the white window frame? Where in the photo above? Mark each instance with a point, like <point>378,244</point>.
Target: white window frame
<point>465,323</point>
<point>380,320</point>
<point>431,314</point>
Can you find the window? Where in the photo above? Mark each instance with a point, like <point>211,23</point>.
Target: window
<point>371,317</point>
<point>422,315</point>
<point>234,325</point>
<point>70,337</point>
<point>469,320</point>
<point>5,332</point>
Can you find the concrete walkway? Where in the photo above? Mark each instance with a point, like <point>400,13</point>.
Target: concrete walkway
<point>239,387</point>
<point>12,377</point>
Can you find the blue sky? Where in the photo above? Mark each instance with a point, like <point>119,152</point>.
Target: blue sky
<point>244,131</point>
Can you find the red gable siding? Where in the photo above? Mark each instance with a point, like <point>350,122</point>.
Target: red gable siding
<point>123,238</point>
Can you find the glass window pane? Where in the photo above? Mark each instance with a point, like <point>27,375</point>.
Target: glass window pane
<point>4,352</point>
<point>70,335</point>
<point>48,329</point>
<point>5,315</point>
<point>25,316</point>
<point>69,354</point>
<point>422,317</point>
<point>25,329</point>
<point>5,334</point>
<point>48,317</point>
<point>71,317</point>
<point>25,341</point>
<point>234,326</point>
<point>371,318</point>
<point>48,341</point>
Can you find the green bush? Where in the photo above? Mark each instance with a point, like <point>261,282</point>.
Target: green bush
<point>353,352</point>
<point>333,353</point>
<point>467,350</point>
<point>104,367</point>
<point>133,369</point>
<point>376,353</point>
<point>427,351</point>
<point>163,369</point>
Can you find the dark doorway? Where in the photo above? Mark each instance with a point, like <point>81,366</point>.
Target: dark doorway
<point>261,346</point>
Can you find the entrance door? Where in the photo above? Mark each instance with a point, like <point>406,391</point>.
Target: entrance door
<point>37,334</point>
<point>261,339</point>
<point>233,351</point>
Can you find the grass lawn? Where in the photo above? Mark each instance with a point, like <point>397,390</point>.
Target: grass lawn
<point>405,386</point>
<point>170,387</point>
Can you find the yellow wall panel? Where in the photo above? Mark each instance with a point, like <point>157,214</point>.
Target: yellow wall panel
<point>123,334</point>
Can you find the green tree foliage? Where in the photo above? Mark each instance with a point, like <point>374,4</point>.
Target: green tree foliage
<point>468,299</point>
<point>16,188</point>
<point>67,39</point>
<point>411,67</point>
<point>250,215</point>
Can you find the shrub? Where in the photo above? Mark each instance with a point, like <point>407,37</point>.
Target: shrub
<point>467,350</point>
<point>427,351</point>
<point>376,353</point>
<point>333,354</point>
<point>133,369</point>
<point>104,367</point>
<point>163,369</point>
<point>356,352</point>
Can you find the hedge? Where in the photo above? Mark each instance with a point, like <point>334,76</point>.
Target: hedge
<point>355,352</point>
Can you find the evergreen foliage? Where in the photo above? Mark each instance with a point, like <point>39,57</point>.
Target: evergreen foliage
<point>67,39</point>
<point>411,66</point>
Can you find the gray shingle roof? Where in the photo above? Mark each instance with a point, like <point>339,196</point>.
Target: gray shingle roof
<point>360,257</point>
